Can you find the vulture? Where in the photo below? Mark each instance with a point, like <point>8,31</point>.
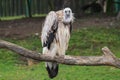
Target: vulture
<point>55,36</point>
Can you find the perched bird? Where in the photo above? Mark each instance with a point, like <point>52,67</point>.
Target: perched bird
<point>55,36</point>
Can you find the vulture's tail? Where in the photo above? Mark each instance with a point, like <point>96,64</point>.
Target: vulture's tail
<point>52,68</point>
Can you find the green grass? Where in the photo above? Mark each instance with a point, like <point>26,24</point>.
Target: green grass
<point>20,17</point>
<point>84,42</point>
<point>11,17</point>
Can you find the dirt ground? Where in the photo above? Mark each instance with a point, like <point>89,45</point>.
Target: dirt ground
<point>25,27</point>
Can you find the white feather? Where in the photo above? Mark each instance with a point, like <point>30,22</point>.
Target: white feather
<point>49,21</point>
<point>63,36</point>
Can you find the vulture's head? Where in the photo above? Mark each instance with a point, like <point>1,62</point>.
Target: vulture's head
<point>67,15</point>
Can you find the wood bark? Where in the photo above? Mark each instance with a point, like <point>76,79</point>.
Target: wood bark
<point>107,59</point>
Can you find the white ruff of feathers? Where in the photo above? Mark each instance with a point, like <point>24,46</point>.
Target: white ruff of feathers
<point>70,18</point>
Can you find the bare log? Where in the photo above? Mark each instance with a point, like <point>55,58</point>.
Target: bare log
<point>107,59</point>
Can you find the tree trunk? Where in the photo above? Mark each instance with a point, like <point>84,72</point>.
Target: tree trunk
<point>29,8</point>
<point>66,3</point>
<point>110,7</point>
<point>107,59</point>
<point>58,4</point>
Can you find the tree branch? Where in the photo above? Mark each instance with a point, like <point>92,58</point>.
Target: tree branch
<point>107,59</point>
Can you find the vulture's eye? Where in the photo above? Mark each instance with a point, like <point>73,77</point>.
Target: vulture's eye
<point>65,11</point>
<point>69,11</point>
